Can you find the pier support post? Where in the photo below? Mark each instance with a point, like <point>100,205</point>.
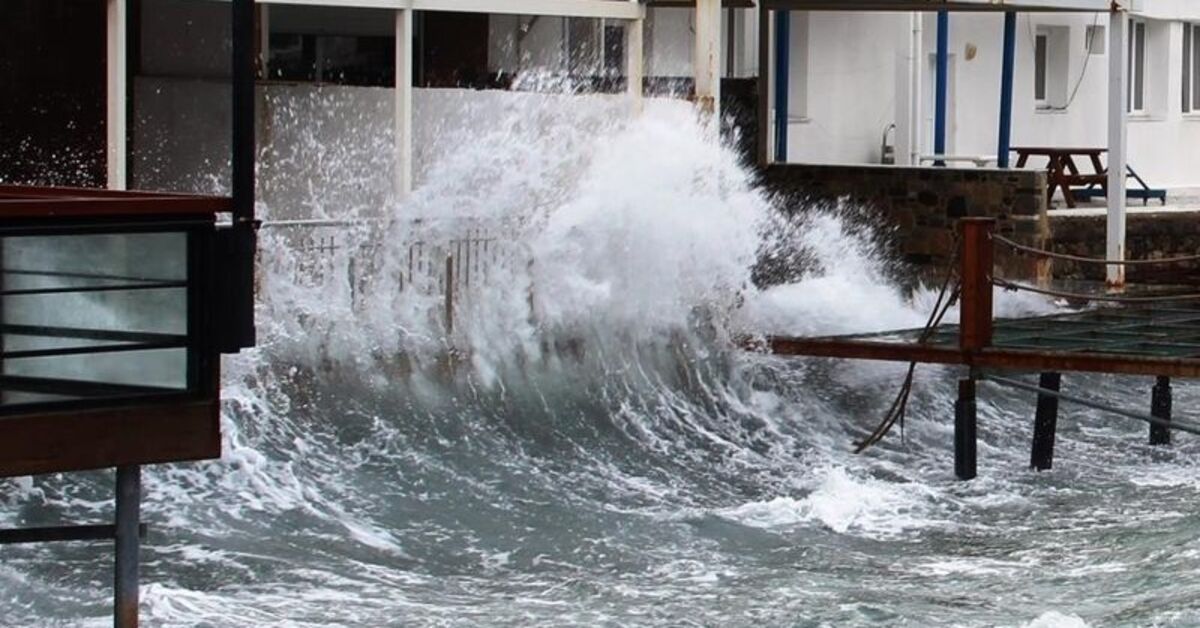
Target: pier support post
<point>128,545</point>
<point>1160,407</point>
<point>1046,422</point>
<point>965,429</point>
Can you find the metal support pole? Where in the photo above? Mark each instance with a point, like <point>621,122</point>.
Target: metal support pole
<point>1006,88</point>
<point>1044,426</point>
<point>237,328</point>
<point>403,105</point>
<point>965,429</point>
<point>783,40</point>
<point>975,272</point>
<point>117,95</point>
<point>1160,407</point>
<point>128,544</point>
<point>942,85</point>
<point>764,87</point>
<point>1118,79</point>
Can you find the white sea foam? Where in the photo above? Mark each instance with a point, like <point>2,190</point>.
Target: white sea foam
<point>1055,619</point>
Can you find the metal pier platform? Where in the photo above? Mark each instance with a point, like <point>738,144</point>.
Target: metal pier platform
<point>1134,333</point>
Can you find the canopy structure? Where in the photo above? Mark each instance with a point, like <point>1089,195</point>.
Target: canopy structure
<point>951,5</point>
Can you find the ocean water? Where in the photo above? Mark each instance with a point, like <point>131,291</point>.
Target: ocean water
<point>600,452</point>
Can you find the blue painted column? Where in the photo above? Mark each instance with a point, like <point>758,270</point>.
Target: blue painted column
<point>783,42</point>
<point>942,85</point>
<point>1006,88</point>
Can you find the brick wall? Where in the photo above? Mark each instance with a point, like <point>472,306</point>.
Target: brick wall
<point>919,207</point>
<point>1150,235</point>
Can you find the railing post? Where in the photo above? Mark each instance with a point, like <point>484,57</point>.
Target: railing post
<point>975,324</point>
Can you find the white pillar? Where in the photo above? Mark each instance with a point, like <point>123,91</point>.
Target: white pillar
<point>403,104</point>
<point>706,58</point>
<point>1118,79</point>
<point>116,96</point>
<point>635,69</point>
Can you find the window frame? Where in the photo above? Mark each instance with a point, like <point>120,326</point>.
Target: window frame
<point>1136,47</point>
<point>1190,78</point>
<point>1041,70</point>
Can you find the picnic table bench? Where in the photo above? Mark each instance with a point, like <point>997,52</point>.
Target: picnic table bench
<point>1061,170</point>
<point>1063,174</point>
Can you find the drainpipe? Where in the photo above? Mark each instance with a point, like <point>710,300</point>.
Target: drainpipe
<point>916,72</point>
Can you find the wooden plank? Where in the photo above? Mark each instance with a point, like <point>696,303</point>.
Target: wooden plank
<point>94,439</point>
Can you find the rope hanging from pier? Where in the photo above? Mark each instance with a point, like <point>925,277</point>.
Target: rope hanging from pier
<point>1092,260</point>
<point>897,410</point>
<point>1077,296</point>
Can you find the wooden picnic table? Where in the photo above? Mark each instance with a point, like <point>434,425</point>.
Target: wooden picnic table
<point>1061,170</point>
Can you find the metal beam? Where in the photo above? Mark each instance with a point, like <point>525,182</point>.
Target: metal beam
<point>116,95</point>
<point>606,9</point>
<point>1006,89</point>
<point>1094,6</point>
<point>1118,80</point>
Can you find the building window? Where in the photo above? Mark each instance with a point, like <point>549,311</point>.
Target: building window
<point>1040,60</point>
<point>1137,66</point>
<point>1051,66</point>
<point>344,60</point>
<point>1191,68</point>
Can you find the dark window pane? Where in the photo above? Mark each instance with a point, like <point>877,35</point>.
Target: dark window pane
<point>1039,68</point>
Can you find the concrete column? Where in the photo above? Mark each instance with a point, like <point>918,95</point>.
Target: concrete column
<point>706,58</point>
<point>635,70</point>
<point>1118,80</point>
<point>128,546</point>
<point>404,104</point>
<point>116,95</point>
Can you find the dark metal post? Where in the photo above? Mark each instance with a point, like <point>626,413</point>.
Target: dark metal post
<point>1044,426</point>
<point>1160,407</point>
<point>965,429</point>
<point>783,43</point>
<point>129,497</point>
<point>764,86</point>
<point>1006,88</point>
<point>239,322</point>
<point>975,259</point>
<point>942,85</point>
<point>449,294</point>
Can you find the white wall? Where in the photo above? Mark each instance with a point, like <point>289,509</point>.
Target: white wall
<point>852,87</point>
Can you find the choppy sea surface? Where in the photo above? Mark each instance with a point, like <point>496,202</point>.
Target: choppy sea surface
<point>600,452</point>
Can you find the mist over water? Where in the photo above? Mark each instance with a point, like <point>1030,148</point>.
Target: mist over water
<point>598,452</point>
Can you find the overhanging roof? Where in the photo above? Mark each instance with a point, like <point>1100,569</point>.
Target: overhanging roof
<point>949,5</point>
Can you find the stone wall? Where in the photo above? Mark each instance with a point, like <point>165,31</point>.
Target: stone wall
<point>1148,235</point>
<point>917,208</point>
